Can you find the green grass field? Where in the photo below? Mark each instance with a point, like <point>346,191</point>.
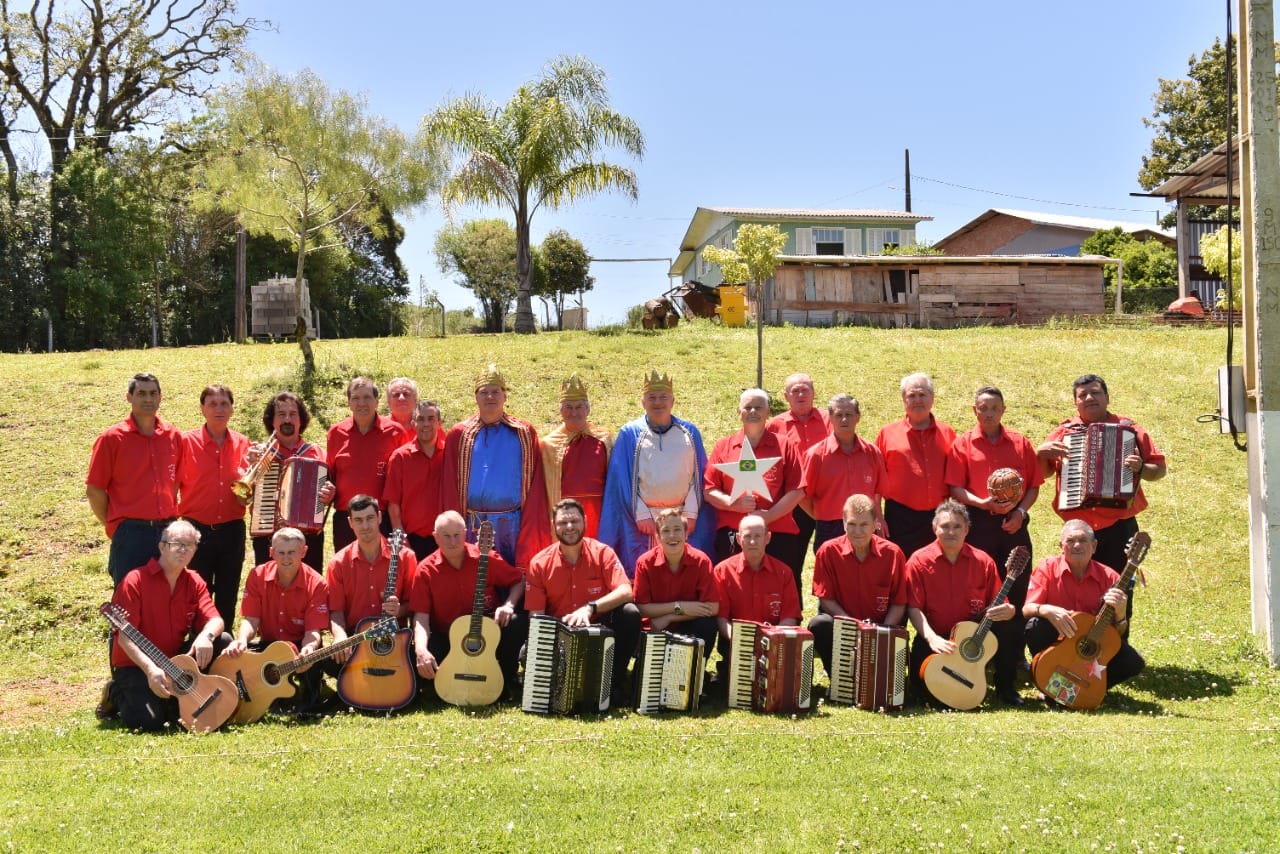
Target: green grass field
<point>1182,758</point>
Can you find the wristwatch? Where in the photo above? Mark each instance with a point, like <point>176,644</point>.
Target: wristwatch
<point>593,607</point>
<point>677,610</point>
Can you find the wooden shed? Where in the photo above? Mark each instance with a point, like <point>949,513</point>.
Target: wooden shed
<point>934,290</point>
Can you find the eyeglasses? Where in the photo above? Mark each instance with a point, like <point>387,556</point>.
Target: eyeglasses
<point>179,545</point>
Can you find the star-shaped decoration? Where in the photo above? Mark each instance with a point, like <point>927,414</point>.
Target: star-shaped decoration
<point>1096,669</point>
<point>748,473</point>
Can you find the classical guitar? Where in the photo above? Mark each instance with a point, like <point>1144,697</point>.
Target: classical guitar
<point>379,676</point>
<point>469,674</point>
<point>204,702</point>
<point>261,678</point>
<point>959,679</point>
<point>1073,672</point>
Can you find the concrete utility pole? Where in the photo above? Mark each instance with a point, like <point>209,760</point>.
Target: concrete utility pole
<point>1260,228</point>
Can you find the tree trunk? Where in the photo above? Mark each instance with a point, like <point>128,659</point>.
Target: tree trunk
<point>524,272</point>
<point>300,330</point>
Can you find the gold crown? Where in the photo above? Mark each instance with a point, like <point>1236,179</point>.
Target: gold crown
<point>491,376</point>
<point>573,389</point>
<point>655,381</point>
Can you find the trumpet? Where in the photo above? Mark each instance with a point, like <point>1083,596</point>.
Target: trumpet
<point>248,482</point>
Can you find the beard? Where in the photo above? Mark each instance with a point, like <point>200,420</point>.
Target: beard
<point>570,538</point>
<point>287,430</point>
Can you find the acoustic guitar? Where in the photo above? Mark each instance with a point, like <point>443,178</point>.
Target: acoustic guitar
<point>1073,672</point>
<point>204,702</point>
<point>469,674</point>
<point>261,678</point>
<point>379,676</point>
<point>959,679</point>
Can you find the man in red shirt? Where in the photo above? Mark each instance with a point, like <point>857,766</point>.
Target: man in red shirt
<point>444,590</point>
<point>915,452</point>
<point>783,480</point>
<point>1074,581</point>
<point>753,586</point>
<point>412,493</point>
<point>675,585</point>
<point>356,452</point>
<point>806,426</point>
<point>285,600</point>
<point>286,417</point>
<point>212,459</point>
<point>133,479</point>
<point>580,581</point>
<point>575,455</point>
<point>949,581</point>
<point>170,606</point>
<point>841,465</point>
<point>402,401</point>
<point>997,527</point>
<point>357,576</point>
<point>858,575</point>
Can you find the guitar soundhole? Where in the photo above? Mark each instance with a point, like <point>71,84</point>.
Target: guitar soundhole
<point>271,674</point>
<point>473,645</point>
<point>184,682</point>
<point>1087,648</point>
<point>970,650</point>
<point>382,646</point>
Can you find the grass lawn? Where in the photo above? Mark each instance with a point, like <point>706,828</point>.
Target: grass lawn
<point>1182,758</point>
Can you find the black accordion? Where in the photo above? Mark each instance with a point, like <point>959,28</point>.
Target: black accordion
<point>567,671</point>
<point>669,673</point>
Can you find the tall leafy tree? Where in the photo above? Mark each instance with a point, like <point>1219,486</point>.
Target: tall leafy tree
<point>298,160</point>
<point>754,256</point>
<point>564,271</point>
<point>540,148</point>
<point>482,253</point>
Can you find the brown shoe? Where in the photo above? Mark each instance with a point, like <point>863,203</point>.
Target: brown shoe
<point>106,708</point>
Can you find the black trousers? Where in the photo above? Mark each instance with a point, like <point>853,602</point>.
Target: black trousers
<point>135,542</point>
<point>1113,543</point>
<point>826,529</point>
<point>421,546</point>
<point>987,533</point>
<point>909,529</point>
<point>1126,664</point>
<point>139,707</point>
<point>220,560</point>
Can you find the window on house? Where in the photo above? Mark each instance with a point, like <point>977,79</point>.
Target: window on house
<point>828,241</point>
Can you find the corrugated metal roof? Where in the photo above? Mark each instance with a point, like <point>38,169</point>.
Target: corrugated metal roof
<point>1089,222</point>
<point>820,214</point>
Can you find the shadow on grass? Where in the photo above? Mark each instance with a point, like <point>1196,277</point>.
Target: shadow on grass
<point>1172,682</point>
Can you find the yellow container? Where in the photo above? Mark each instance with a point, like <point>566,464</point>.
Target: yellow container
<point>733,305</point>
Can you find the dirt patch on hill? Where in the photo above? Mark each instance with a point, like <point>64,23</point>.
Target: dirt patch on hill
<point>44,701</point>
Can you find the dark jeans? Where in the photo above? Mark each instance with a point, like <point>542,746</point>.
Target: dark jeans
<point>220,560</point>
<point>136,541</point>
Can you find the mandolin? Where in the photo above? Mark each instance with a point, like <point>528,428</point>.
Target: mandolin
<point>959,679</point>
<point>379,676</point>
<point>204,702</point>
<point>1073,672</point>
<point>469,674</point>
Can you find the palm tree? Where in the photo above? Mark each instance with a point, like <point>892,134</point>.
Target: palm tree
<point>540,148</point>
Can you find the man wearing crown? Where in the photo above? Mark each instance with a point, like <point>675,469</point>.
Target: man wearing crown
<point>493,471</point>
<point>658,461</point>
<point>575,455</point>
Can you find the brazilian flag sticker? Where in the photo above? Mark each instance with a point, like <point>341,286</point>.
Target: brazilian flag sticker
<point>746,465</point>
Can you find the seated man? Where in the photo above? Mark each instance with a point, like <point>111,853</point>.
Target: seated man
<point>444,589</point>
<point>286,600</point>
<point>753,586</point>
<point>858,575</point>
<point>675,588</point>
<point>580,581</point>
<point>169,604</point>
<point>948,582</point>
<point>1074,581</point>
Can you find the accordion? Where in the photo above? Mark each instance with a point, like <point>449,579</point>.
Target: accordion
<point>770,668</point>
<point>566,670</point>
<point>1094,473</point>
<point>879,667</point>
<point>289,496</point>
<point>669,673</point>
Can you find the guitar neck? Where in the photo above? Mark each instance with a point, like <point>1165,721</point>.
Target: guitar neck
<point>181,682</point>
<point>397,539</point>
<point>477,603</point>
<point>1014,567</point>
<point>1107,614</point>
<point>321,654</point>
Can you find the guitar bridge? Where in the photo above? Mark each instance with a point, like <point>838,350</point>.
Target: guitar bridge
<point>959,678</point>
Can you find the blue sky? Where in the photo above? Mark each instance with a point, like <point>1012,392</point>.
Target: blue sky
<point>1022,105</point>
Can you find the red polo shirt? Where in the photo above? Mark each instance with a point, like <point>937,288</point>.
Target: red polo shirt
<point>445,593</point>
<point>1104,517</point>
<point>286,613</point>
<point>165,618</point>
<point>413,482</point>
<point>693,580</point>
<point>356,586</point>
<point>765,595</point>
<point>866,587</point>
<point>206,474</point>
<point>804,434</point>
<point>784,476</point>
<point>832,474</point>
<point>138,472</point>
<point>916,462</point>
<point>973,458</point>
<point>358,461</point>
<point>947,593</point>
<point>559,588</point>
<point>1053,583</point>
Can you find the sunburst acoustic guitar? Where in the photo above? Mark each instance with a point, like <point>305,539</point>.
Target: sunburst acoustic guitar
<point>379,676</point>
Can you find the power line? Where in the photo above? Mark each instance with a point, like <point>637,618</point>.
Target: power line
<point>919,177</point>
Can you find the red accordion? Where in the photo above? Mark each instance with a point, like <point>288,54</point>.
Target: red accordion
<point>880,668</point>
<point>1094,473</point>
<point>770,668</point>
<point>298,503</point>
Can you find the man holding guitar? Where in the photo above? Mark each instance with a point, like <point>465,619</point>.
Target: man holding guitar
<point>1074,581</point>
<point>948,581</point>
<point>444,590</point>
<point>167,603</point>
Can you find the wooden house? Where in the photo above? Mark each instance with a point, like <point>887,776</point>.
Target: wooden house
<point>1001,231</point>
